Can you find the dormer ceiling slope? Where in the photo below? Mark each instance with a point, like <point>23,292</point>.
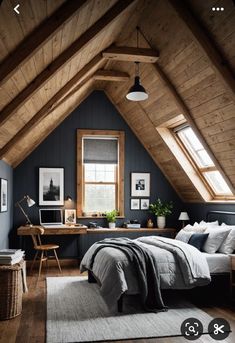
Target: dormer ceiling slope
<point>193,75</point>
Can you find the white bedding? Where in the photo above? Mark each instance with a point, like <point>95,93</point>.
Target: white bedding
<point>218,263</point>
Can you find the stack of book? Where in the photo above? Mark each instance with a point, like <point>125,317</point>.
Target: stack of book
<point>11,256</point>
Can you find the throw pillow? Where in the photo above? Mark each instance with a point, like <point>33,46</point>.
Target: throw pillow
<point>215,239</point>
<point>209,224</point>
<point>228,245</point>
<point>198,240</point>
<point>183,235</point>
<point>194,228</point>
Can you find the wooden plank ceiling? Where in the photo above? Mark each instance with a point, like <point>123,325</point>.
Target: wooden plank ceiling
<point>193,75</point>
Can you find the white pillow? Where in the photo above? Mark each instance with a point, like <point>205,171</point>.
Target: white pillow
<point>194,228</point>
<point>215,239</point>
<point>228,246</point>
<point>183,235</point>
<point>209,224</point>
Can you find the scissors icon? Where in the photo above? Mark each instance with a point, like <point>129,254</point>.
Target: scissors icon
<point>218,329</point>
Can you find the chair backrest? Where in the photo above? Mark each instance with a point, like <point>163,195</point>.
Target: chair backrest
<point>35,233</point>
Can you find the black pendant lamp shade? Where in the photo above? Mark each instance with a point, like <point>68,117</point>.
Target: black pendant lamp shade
<point>137,92</point>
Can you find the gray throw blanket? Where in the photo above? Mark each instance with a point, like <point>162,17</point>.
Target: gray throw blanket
<point>145,267</point>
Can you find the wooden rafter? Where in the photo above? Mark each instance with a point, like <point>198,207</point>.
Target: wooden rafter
<point>64,58</point>
<point>207,45</point>
<point>38,37</point>
<point>130,54</point>
<point>79,79</point>
<point>110,75</point>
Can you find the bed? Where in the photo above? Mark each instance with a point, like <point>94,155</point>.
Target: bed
<point>116,276</point>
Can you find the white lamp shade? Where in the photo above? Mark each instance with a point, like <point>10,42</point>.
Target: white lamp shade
<point>183,216</point>
<point>30,201</point>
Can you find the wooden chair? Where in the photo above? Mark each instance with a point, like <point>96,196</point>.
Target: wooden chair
<point>44,248</point>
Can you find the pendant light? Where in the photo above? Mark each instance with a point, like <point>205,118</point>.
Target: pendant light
<point>137,91</point>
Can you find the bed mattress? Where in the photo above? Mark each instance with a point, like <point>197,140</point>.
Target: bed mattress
<point>218,263</point>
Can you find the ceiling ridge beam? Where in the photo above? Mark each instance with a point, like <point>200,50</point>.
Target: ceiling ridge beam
<point>64,58</point>
<point>38,37</point>
<point>206,44</point>
<point>79,79</point>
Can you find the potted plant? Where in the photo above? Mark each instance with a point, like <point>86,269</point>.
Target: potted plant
<point>161,210</point>
<point>111,218</point>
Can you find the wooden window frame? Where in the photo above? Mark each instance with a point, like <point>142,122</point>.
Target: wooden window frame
<point>120,136</point>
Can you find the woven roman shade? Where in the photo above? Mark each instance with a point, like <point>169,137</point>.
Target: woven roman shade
<point>98,150</point>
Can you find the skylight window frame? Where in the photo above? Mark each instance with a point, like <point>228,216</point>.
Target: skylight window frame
<point>201,170</point>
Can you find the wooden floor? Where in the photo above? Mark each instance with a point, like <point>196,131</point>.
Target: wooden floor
<point>29,327</point>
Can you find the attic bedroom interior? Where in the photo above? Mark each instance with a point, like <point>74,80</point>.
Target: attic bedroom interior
<point>117,171</point>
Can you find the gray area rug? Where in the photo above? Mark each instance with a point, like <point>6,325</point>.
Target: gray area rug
<point>76,312</point>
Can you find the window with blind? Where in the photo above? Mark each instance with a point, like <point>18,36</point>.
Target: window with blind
<point>100,172</point>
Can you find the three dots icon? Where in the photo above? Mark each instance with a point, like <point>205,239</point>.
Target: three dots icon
<point>217,9</point>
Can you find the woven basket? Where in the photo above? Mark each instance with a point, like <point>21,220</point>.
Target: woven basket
<point>10,290</point>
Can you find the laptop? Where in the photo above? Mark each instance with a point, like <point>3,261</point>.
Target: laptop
<point>51,218</point>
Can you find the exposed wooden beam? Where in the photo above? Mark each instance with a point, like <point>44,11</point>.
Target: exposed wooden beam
<point>110,75</point>
<point>207,45</point>
<point>38,37</point>
<point>130,54</point>
<point>64,58</point>
<point>79,79</point>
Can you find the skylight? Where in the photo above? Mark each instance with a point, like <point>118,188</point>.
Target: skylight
<point>204,163</point>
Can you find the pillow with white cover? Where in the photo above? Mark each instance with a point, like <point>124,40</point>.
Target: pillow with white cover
<point>183,235</point>
<point>228,245</point>
<point>194,228</point>
<point>217,235</point>
<point>209,224</point>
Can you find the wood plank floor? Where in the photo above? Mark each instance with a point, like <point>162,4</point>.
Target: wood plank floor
<point>30,326</point>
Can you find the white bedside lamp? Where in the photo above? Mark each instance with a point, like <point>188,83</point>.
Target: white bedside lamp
<point>30,203</point>
<point>183,217</point>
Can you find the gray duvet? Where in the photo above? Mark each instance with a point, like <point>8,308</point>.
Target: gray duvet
<point>181,266</point>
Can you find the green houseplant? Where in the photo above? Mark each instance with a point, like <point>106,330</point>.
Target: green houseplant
<point>111,218</point>
<point>161,210</point>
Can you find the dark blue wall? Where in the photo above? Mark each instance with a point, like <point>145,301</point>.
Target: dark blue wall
<point>59,150</point>
<point>6,218</point>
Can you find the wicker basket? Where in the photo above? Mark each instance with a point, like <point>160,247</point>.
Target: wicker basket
<point>10,290</point>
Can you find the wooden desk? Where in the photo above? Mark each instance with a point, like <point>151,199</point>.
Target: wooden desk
<point>73,230</point>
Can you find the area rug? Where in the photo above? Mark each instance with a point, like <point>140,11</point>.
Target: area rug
<point>76,312</point>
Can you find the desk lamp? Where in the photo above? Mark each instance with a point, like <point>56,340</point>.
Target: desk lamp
<point>30,203</point>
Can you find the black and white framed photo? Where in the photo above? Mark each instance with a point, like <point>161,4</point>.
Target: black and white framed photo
<point>144,204</point>
<point>70,216</point>
<point>140,184</point>
<point>3,195</point>
<point>51,186</point>
<point>135,204</point>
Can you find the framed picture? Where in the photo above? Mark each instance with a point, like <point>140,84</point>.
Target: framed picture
<point>144,204</point>
<point>140,184</point>
<point>51,186</point>
<point>3,195</point>
<point>70,216</point>
<point>135,204</point>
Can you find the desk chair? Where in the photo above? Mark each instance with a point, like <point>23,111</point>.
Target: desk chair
<point>44,248</point>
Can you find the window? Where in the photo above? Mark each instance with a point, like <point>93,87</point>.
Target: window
<point>100,172</point>
<point>202,160</point>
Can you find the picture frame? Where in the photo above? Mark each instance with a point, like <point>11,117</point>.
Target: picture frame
<point>70,216</point>
<point>3,195</point>
<point>140,184</point>
<point>51,186</point>
<point>144,204</point>
<point>135,204</point>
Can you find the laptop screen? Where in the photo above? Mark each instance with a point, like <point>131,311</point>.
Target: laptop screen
<point>50,216</point>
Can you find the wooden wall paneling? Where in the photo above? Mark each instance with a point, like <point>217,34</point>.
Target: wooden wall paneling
<point>81,77</point>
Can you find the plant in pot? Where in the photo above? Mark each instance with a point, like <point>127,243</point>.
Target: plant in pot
<point>111,218</point>
<point>161,210</point>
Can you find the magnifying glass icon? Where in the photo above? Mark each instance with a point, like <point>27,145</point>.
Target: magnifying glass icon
<point>191,329</point>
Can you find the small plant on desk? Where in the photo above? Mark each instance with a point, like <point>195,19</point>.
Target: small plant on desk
<point>111,218</point>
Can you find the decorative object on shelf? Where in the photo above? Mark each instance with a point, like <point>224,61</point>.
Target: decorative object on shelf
<point>161,210</point>
<point>140,184</point>
<point>51,186</point>
<point>3,195</point>
<point>150,223</point>
<point>70,216</point>
<point>137,91</point>
<point>68,198</point>
<point>183,217</point>
<point>111,218</point>
<point>30,203</point>
<point>144,204</point>
<point>135,204</point>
